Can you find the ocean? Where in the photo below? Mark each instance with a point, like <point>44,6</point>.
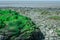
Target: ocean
<point>53,4</point>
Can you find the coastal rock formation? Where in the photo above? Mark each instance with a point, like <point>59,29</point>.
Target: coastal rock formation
<point>14,26</point>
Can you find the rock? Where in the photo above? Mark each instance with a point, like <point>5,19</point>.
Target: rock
<point>18,27</point>
<point>2,37</point>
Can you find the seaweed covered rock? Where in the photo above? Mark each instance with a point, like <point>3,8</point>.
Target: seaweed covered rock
<point>58,32</point>
<point>14,26</point>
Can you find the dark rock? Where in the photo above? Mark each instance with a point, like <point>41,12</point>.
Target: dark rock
<point>37,35</point>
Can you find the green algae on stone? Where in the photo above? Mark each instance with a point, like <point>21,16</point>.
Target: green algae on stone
<point>57,31</point>
<point>54,17</point>
<point>13,22</point>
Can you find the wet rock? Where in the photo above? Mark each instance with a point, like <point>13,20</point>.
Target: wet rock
<point>2,37</point>
<point>37,35</point>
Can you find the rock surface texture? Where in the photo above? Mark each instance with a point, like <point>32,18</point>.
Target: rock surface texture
<point>14,26</point>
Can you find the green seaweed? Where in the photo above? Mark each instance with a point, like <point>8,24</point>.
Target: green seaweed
<point>55,17</point>
<point>45,12</point>
<point>58,32</point>
<point>13,22</point>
